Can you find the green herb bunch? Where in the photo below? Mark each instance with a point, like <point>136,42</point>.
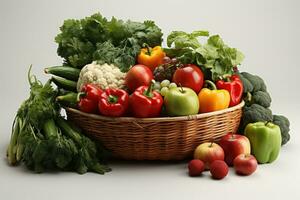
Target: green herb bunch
<point>108,41</point>
<point>43,140</point>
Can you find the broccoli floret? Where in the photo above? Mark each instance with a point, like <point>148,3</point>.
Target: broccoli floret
<point>247,86</point>
<point>257,82</point>
<point>261,98</point>
<point>255,113</point>
<point>284,125</point>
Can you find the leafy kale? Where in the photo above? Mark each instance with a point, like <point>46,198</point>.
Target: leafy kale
<point>120,56</point>
<point>83,41</point>
<point>214,56</point>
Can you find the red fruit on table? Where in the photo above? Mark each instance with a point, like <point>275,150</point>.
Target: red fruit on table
<point>189,76</point>
<point>234,145</point>
<point>196,167</point>
<point>209,152</point>
<point>138,75</point>
<point>245,164</point>
<point>218,169</point>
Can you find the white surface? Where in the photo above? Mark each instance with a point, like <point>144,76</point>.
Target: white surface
<point>266,31</point>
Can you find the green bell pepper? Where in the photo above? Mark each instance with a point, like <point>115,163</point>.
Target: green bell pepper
<point>265,139</point>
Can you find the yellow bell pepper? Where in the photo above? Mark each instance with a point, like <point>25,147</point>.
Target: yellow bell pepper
<point>151,57</point>
<point>212,99</point>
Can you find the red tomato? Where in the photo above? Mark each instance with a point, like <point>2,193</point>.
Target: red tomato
<point>189,76</point>
<point>138,75</point>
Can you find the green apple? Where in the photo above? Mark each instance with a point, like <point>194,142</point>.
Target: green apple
<point>181,101</point>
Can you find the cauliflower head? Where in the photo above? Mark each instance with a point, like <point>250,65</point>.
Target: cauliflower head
<point>103,75</point>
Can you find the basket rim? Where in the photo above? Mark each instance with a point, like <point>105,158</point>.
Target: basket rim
<point>156,119</point>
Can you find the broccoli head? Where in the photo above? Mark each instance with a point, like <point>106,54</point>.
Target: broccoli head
<point>247,86</point>
<point>284,125</point>
<point>255,113</point>
<point>256,81</point>
<point>260,98</point>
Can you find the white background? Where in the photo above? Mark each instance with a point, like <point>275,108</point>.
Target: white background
<point>266,31</point>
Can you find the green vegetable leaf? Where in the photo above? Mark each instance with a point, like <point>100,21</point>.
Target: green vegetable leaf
<point>215,41</point>
<point>199,33</point>
<point>123,57</point>
<point>81,41</point>
<point>182,39</point>
<point>214,56</point>
<point>173,36</point>
<point>208,52</point>
<point>39,142</point>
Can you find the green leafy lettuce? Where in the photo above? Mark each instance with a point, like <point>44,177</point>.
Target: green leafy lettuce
<point>214,57</point>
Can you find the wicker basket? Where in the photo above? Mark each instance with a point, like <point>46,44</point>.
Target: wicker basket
<point>167,138</point>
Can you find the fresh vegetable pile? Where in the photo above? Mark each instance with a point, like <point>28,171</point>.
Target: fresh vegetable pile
<point>113,42</point>
<point>43,140</point>
<point>258,102</point>
<point>118,68</point>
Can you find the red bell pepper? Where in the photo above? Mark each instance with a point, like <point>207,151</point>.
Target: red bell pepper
<point>234,86</point>
<point>89,97</point>
<point>145,102</point>
<point>113,102</point>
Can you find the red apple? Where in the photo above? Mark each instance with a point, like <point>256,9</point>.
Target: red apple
<point>245,164</point>
<point>209,152</point>
<point>234,145</point>
<point>218,169</point>
<point>196,167</point>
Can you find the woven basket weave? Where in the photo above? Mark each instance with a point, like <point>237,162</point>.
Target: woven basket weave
<point>165,138</point>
